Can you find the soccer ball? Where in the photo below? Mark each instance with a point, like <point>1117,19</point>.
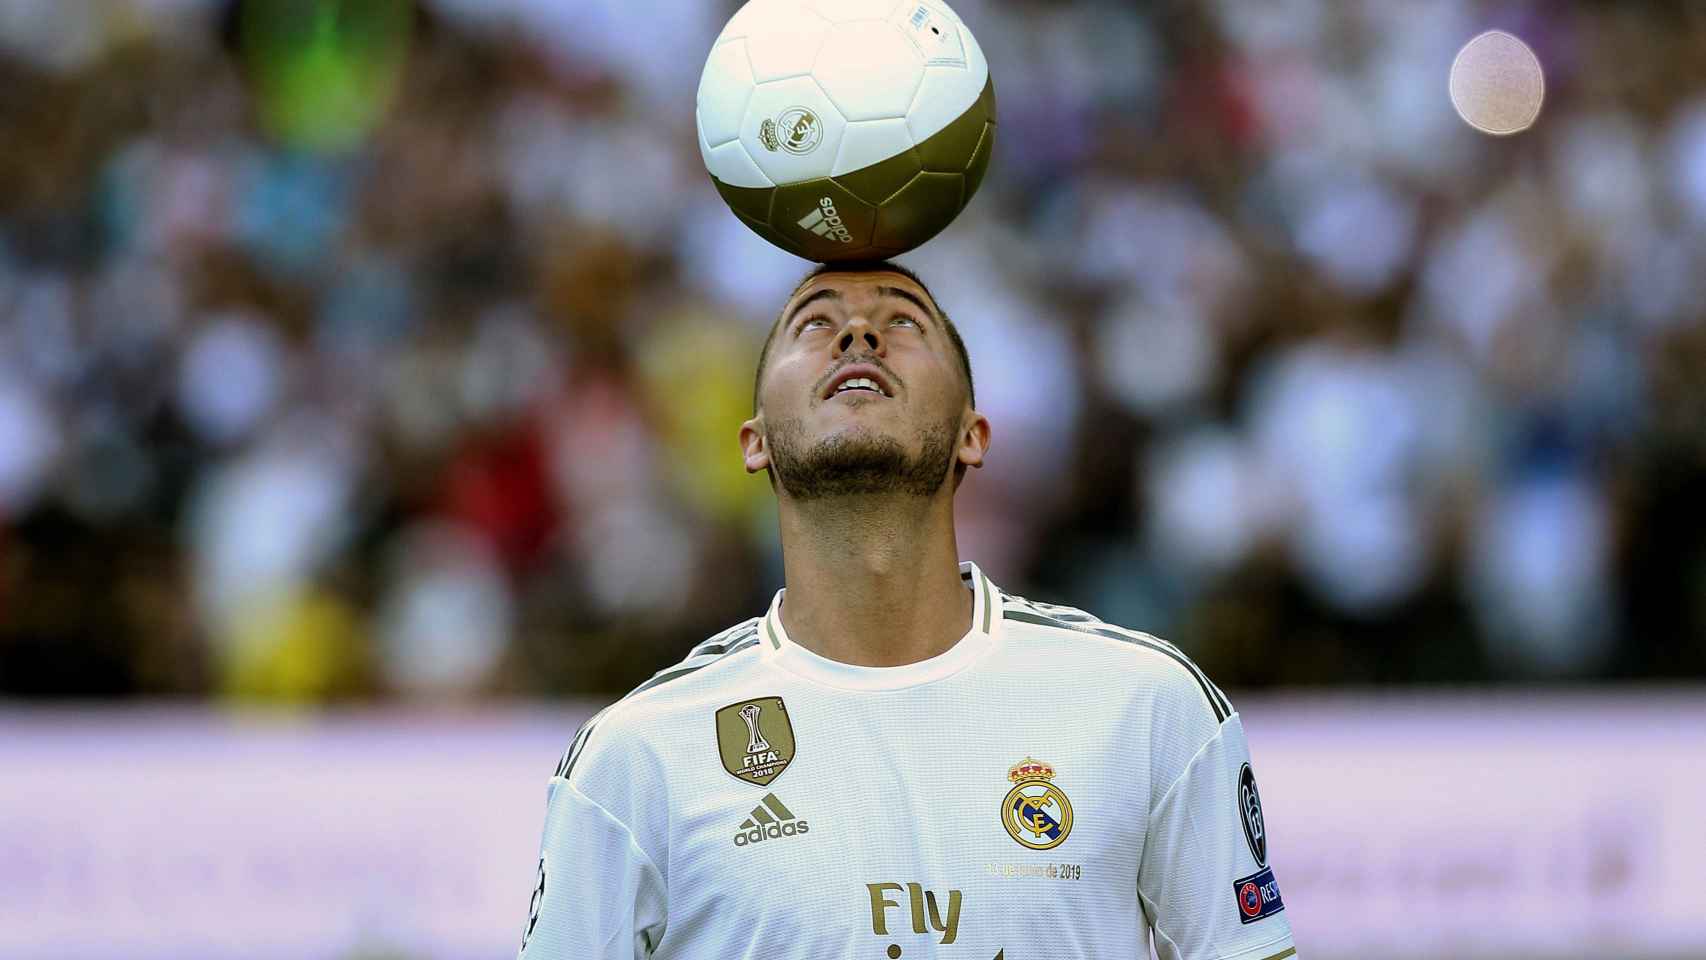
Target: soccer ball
<point>846,129</point>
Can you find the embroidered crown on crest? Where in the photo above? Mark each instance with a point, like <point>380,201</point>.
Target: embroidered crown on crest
<point>1030,768</point>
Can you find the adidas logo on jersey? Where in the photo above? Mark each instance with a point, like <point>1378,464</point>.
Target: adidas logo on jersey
<point>826,222</point>
<point>770,820</point>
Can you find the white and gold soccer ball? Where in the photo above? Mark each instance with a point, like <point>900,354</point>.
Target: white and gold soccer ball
<point>846,129</point>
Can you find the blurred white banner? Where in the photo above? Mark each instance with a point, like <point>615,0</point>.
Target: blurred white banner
<point>1487,826</point>
<point>1425,826</point>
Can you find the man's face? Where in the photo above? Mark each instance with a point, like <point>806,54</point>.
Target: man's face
<point>902,437</point>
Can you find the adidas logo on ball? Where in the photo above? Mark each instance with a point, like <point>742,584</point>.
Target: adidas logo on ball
<point>769,824</point>
<point>826,222</point>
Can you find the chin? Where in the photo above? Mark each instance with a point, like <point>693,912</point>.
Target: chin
<point>857,429</point>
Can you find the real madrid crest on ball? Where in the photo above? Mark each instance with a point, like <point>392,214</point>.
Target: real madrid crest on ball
<point>755,739</point>
<point>1035,812</point>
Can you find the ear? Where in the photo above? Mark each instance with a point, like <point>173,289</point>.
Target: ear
<point>974,440</point>
<point>752,446</point>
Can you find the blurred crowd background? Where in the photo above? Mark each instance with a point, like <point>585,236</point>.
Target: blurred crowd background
<point>379,349</point>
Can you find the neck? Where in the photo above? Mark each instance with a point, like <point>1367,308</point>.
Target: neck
<point>873,581</point>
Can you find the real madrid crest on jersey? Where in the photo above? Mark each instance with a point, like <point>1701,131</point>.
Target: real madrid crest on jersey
<point>1035,812</point>
<point>755,739</point>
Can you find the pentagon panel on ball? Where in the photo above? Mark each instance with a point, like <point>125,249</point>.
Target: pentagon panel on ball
<point>846,129</point>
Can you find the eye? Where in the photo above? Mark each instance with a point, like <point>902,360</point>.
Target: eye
<point>807,322</point>
<point>906,318</point>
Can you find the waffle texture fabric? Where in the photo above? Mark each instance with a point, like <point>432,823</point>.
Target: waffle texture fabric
<point>1050,786</point>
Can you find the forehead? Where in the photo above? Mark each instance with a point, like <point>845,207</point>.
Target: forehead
<point>860,285</point>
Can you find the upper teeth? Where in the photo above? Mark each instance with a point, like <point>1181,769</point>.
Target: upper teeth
<point>857,382</point>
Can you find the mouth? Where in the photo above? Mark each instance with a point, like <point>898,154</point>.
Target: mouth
<point>859,380</point>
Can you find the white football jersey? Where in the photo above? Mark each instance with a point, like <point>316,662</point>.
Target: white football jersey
<point>1050,787</point>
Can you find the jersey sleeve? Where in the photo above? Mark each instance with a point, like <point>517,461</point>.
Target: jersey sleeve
<point>598,894</point>
<point>1205,882</point>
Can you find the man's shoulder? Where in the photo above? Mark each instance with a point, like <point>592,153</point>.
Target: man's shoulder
<point>671,692</point>
<point>1118,653</point>
<point>704,669</point>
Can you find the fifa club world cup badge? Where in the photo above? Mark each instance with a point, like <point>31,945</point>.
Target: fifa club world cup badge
<point>755,739</point>
<point>1035,812</point>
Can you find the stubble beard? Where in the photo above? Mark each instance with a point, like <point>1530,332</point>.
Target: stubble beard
<point>861,463</point>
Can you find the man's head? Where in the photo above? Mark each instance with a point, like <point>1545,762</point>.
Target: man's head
<point>877,319</point>
<point>871,267</point>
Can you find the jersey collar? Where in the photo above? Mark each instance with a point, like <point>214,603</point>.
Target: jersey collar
<point>985,629</point>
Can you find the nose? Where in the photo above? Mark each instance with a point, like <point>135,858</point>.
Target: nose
<point>859,329</point>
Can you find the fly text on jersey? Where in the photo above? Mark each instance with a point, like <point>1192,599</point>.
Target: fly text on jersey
<point>924,907</point>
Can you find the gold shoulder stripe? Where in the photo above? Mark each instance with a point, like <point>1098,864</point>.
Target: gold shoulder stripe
<point>1216,700</point>
<point>704,655</point>
<point>1287,952</point>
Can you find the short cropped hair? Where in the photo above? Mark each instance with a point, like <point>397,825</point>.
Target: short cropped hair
<point>868,266</point>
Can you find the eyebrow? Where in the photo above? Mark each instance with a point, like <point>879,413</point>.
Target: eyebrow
<point>827,293</point>
<point>830,293</point>
<point>909,297</point>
